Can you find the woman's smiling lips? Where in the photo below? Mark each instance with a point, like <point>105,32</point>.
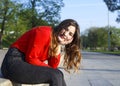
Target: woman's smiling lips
<point>62,36</point>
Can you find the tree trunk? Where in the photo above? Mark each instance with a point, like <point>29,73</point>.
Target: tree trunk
<point>0,40</point>
<point>1,33</point>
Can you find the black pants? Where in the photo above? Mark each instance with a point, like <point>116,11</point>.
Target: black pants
<point>17,70</point>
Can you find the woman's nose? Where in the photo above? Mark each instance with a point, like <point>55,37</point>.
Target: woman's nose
<point>65,33</point>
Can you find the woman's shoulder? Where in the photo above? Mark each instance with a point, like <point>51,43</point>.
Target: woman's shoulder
<point>44,31</point>
<point>43,28</point>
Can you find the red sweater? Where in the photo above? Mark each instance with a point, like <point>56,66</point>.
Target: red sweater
<point>35,45</point>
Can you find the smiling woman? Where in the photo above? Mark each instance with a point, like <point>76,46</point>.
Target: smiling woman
<point>66,35</point>
<point>25,60</point>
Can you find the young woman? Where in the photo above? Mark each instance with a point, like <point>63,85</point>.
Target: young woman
<point>25,59</point>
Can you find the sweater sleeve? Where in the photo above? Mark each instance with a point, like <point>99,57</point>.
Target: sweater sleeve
<point>54,61</point>
<point>35,48</point>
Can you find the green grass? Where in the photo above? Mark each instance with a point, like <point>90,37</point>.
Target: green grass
<point>112,52</point>
<point>107,52</point>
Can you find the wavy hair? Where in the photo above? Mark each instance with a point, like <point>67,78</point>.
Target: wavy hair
<point>72,55</point>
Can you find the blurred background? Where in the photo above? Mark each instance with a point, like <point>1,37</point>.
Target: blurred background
<point>99,20</point>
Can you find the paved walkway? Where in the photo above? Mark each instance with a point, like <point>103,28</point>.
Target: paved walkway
<point>96,70</point>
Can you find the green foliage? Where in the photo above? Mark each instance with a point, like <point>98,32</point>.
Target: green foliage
<point>7,9</point>
<point>115,37</point>
<point>39,10</point>
<point>113,5</point>
<point>16,17</point>
<point>97,38</point>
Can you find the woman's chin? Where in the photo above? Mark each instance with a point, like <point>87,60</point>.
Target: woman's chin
<point>61,41</point>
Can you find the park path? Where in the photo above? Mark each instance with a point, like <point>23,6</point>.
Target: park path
<point>97,69</point>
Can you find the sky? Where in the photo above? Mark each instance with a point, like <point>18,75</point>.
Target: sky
<point>89,13</point>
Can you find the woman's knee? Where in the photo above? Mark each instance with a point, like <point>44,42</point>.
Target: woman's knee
<point>57,78</point>
<point>60,73</point>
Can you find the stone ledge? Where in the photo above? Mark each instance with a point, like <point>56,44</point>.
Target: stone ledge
<point>7,82</point>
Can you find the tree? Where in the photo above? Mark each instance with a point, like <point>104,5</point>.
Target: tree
<point>6,12</point>
<point>115,37</point>
<point>84,41</point>
<point>114,5</point>
<point>16,16</point>
<point>96,37</point>
<point>36,11</point>
<point>93,37</point>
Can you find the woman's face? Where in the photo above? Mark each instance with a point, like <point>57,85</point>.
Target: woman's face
<point>65,36</point>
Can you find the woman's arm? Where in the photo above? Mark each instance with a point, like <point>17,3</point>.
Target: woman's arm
<point>54,61</point>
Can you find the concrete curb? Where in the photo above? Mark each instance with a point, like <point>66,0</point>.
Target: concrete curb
<point>5,82</point>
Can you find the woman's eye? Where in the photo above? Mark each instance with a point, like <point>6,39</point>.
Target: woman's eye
<point>66,29</point>
<point>71,34</point>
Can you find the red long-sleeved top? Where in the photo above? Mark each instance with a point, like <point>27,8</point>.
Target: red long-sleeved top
<point>35,45</point>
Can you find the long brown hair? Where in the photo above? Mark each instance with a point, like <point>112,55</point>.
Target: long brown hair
<point>72,55</point>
